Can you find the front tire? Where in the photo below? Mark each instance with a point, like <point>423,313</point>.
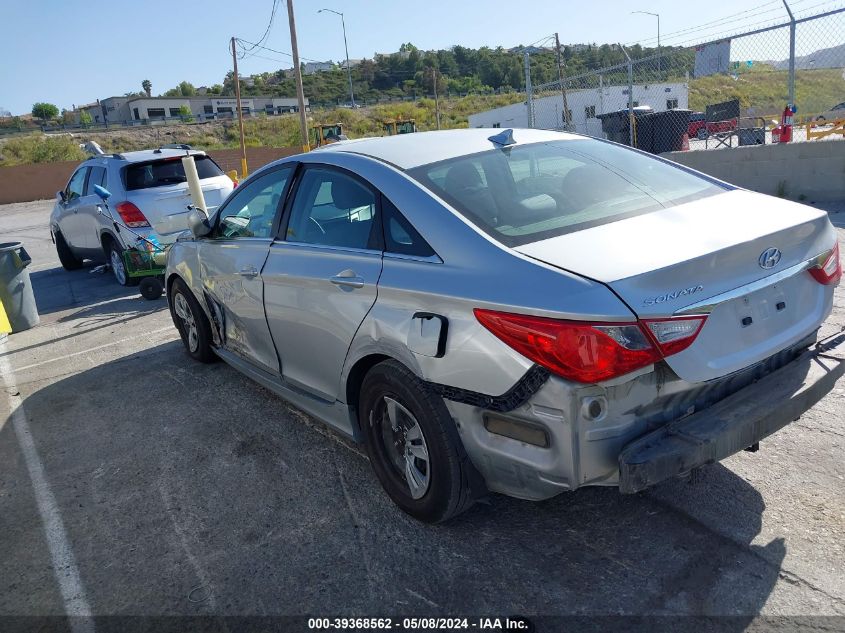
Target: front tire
<point>68,260</point>
<point>413,445</point>
<point>190,320</point>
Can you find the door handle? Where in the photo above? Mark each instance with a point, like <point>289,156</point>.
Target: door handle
<point>347,278</point>
<point>249,271</point>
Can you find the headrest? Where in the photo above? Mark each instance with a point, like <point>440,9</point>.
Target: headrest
<point>348,194</point>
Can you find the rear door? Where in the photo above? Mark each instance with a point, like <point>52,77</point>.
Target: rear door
<point>231,261</point>
<point>321,276</point>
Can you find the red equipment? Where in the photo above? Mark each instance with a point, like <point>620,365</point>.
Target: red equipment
<point>783,132</point>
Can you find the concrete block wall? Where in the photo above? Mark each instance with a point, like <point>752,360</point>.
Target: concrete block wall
<point>810,171</point>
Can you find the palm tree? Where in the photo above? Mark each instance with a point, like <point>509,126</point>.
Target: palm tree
<point>147,85</point>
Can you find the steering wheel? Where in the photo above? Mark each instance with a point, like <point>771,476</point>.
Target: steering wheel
<point>319,226</point>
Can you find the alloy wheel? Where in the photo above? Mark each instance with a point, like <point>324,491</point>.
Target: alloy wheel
<point>184,312</point>
<point>405,445</point>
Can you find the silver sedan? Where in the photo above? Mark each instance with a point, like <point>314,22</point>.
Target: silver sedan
<point>516,311</point>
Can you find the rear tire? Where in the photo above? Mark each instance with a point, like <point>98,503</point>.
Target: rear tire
<point>413,445</point>
<point>118,266</point>
<point>68,260</point>
<point>190,320</point>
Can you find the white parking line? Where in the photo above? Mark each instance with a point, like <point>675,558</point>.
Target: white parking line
<point>61,554</point>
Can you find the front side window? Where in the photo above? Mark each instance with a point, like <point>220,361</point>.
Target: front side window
<point>76,185</point>
<point>97,177</point>
<point>333,209</point>
<point>531,192</point>
<point>251,211</point>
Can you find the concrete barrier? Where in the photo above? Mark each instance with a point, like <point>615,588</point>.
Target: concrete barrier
<point>41,181</point>
<point>812,171</point>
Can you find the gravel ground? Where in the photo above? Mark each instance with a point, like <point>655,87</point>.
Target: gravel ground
<point>166,487</point>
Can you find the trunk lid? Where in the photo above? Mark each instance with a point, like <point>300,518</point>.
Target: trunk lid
<point>663,262</point>
<point>166,208</point>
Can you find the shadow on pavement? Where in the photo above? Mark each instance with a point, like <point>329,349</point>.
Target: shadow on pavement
<point>58,289</point>
<point>187,489</point>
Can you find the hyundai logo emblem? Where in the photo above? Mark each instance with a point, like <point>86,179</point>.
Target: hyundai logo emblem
<point>769,258</point>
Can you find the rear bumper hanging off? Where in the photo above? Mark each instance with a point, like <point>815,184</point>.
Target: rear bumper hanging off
<point>735,423</point>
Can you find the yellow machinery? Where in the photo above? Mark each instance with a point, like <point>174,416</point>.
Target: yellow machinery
<point>324,134</point>
<point>400,126</point>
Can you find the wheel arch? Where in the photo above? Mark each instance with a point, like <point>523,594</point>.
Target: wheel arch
<point>354,381</point>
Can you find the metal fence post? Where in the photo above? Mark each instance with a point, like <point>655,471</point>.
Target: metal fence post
<point>529,97</point>
<point>630,97</point>
<point>791,54</point>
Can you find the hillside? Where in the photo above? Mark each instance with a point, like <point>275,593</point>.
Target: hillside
<point>763,91</point>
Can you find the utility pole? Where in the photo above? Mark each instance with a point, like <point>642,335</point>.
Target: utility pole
<point>297,73</point>
<point>346,47</point>
<point>244,171</point>
<point>436,100</point>
<point>656,15</point>
<point>529,96</point>
<point>565,118</point>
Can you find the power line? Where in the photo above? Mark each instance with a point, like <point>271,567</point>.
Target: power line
<point>266,31</point>
<point>725,19</point>
<point>709,35</point>
<point>254,45</point>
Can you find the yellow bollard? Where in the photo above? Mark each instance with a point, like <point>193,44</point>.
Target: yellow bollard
<point>5,326</point>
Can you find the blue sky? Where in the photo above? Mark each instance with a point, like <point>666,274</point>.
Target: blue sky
<point>71,53</point>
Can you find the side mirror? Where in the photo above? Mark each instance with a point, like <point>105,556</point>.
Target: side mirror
<point>104,193</point>
<point>198,223</point>
<point>61,196</point>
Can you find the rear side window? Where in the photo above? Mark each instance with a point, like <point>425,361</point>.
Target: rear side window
<point>168,171</point>
<point>532,192</point>
<point>399,236</point>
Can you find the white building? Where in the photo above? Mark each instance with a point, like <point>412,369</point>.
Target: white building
<point>142,110</point>
<point>584,107</point>
<point>309,68</point>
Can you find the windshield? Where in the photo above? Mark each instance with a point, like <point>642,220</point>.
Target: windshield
<point>167,171</point>
<point>532,192</point>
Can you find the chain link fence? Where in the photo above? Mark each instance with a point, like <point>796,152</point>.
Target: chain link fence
<point>722,93</point>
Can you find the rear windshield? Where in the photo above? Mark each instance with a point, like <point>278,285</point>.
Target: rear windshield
<point>167,171</point>
<point>532,192</point>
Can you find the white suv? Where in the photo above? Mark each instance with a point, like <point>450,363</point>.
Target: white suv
<point>149,194</point>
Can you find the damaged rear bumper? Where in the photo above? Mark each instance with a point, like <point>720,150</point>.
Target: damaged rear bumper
<point>734,423</point>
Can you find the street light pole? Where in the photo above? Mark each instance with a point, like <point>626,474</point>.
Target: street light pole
<point>657,15</point>
<point>346,48</point>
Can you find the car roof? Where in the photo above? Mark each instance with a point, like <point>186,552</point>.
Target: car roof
<point>141,156</point>
<point>407,151</point>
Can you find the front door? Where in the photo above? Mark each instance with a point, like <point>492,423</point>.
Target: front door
<point>231,263</point>
<point>321,276</point>
<point>70,223</point>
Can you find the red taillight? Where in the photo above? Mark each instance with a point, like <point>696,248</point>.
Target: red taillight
<point>591,352</point>
<point>131,215</point>
<point>828,270</point>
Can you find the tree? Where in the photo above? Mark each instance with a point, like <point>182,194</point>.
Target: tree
<point>185,114</point>
<point>44,111</point>
<point>85,118</point>
<point>147,85</point>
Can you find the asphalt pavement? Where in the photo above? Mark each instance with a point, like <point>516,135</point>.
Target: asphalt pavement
<point>134,481</point>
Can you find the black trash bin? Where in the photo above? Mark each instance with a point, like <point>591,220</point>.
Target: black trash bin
<point>616,126</point>
<point>668,129</point>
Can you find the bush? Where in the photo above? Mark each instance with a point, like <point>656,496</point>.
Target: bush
<point>38,148</point>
